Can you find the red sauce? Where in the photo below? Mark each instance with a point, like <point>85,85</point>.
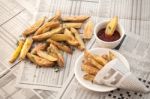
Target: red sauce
<point>101,35</point>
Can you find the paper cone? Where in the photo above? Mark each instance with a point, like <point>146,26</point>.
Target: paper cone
<point>116,74</point>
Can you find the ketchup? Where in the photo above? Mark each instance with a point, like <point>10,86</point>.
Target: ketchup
<point>101,35</point>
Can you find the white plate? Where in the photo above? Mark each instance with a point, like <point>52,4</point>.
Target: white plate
<point>92,86</point>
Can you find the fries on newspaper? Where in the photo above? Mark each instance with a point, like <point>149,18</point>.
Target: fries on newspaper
<point>48,39</point>
<point>92,63</point>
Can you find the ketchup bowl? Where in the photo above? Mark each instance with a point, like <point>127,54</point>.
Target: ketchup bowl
<point>106,43</point>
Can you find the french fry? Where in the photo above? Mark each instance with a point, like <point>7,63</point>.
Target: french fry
<point>88,30</point>
<point>111,55</point>
<point>71,39</point>
<point>75,18</point>
<point>47,34</point>
<point>72,25</point>
<point>79,39</point>
<point>94,63</point>
<point>16,52</point>
<point>46,56</point>
<point>39,61</point>
<point>106,57</point>
<point>40,46</point>
<point>60,61</point>
<point>46,29</point>
<point>47,26</point>
<point>111,26</point>
<point>57,16</point>
<point>52,49</point>
<point>97,58</point>
<point>26,47</point>
<point>89,69</point>
<point>61,46</point>
<point>67,36</point>
<point>56,53</point>
<point>100,59</point>
<point>89,77</point>
<point>59,37</point>
<point>34,27</point>
<point>52,52</point>
<point>51,19</point>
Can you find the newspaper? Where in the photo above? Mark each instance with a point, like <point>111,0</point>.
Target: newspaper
<point>3,69</point>
<point>98,10</point>
<point>30,5</point>
<point>13,20</point>
<point>9,91</point>
<point>16,16</point>
<point>136,49</point>
<point>12,16</point>
<point>45,94</point>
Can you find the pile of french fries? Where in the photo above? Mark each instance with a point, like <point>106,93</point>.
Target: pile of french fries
<point>93,63</point>
<point>46,39</point>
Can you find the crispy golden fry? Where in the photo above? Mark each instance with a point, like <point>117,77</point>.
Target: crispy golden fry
<point>46,56</point>
<point>16,52</point>
<point>59,37</point>
<point>56,53</point>
<point>88,30</point>
<point>26,47</point>
<point>72,25</point>
<point>57,16</point>
<point>46,27</point>
<point>97,58</point>
<point>111,55</point>
<point>100,59</point>
<point>34,27</point>
<point>51,19</point>
<point>111,26</point>
<point>79,39</point>
<point>61,46</point>
<point>67,36</point>
<point>39,61</point>
<point>89,69</point>
<point>75,18</point>
<point>89,77</point>
<point>106,57</point>
<point>93,62</point>
<point>60,61</point>
<point>40,46</point>
<point>71,39</point>
<point>47,34</point>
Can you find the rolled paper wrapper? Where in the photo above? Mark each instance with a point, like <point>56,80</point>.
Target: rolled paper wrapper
<point>116,74</point>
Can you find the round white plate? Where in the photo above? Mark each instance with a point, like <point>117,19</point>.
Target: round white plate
<point>92,86</point>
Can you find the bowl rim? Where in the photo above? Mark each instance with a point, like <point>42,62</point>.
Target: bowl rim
<point>106,21</point>
<point>85,85</point>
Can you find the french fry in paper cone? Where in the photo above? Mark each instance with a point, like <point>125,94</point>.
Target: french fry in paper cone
<point>116,74</point>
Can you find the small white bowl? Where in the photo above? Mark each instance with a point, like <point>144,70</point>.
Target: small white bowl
<point>106,44</point>
<point>89,85</point>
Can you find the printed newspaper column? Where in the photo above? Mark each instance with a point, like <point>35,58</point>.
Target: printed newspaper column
<point>8,89</point>
<point>116,74</point>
